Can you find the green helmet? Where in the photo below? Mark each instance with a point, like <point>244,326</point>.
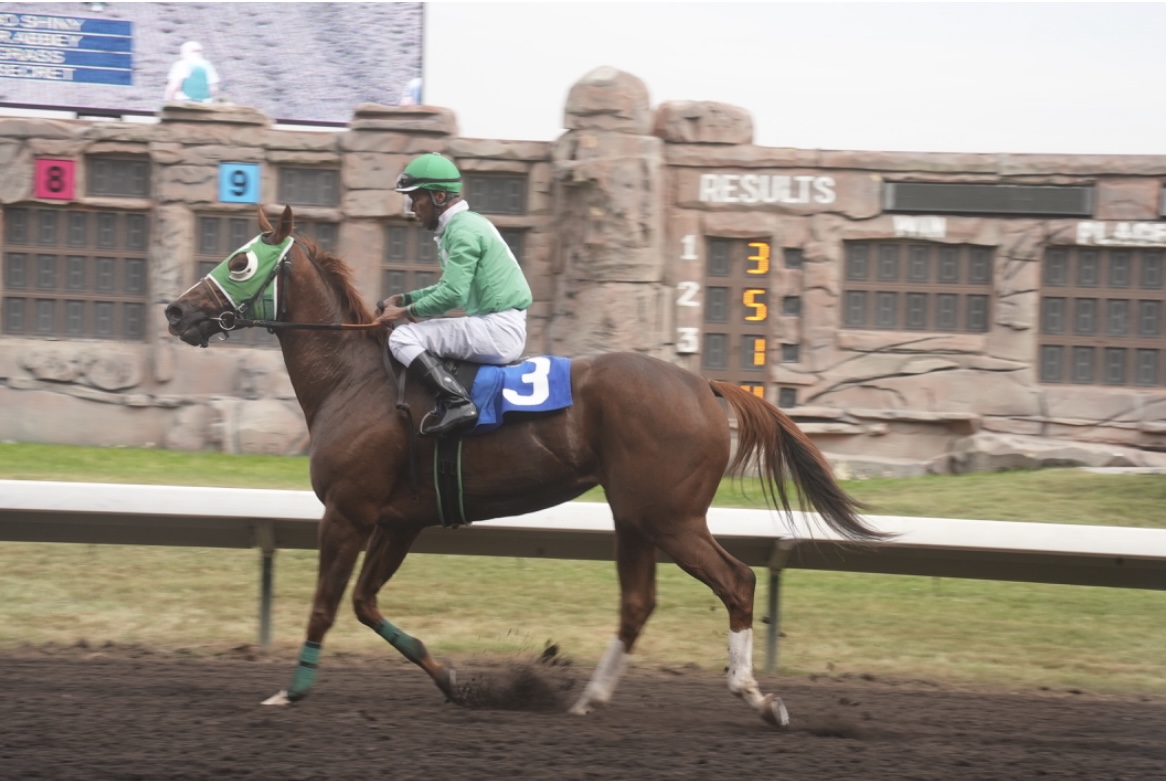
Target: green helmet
<point>430,172</point>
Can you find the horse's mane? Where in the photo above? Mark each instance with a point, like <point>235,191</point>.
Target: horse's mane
<point>338,275</point>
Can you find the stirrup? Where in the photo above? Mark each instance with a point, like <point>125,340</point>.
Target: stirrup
<point>447,422</point>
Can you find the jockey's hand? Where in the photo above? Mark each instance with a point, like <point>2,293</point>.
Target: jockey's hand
<point>397,299</point>
<point>391,312</point>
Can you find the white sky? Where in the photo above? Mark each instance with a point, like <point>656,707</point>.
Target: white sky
<point>942,77</point>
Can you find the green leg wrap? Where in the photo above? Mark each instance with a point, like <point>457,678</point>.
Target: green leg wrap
<point>410,647</point>
<point>305,672</point>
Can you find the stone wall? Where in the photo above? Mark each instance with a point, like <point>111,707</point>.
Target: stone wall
<point>162,393</point>
<point>608,203</point>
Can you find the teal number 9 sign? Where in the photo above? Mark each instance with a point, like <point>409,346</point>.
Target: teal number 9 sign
<point>239,182</point>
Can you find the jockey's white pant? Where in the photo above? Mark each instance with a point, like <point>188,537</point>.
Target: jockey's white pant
<point>497,338</point>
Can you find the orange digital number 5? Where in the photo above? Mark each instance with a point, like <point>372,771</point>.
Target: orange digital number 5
<point>749,299</point>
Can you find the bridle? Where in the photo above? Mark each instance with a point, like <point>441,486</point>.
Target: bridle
<point>235,316</point>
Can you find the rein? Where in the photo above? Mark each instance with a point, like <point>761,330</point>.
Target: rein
<point>229,321</point>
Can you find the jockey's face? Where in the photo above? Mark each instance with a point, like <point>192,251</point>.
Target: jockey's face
<point>427,206</point>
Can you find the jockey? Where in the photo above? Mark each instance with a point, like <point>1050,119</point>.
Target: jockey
<point>480,275</point>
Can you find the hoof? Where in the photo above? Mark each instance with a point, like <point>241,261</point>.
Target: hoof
<point>279,698</point>
<point>447,682</point>
<point>773,711</point>
<point>589,703</point>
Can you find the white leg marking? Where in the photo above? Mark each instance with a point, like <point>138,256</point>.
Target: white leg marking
<point>741,681</point>
<point>279,698</point>
<point>602,684</point>
<point>744,685</point>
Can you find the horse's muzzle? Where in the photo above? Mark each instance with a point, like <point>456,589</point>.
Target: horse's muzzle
<point>192,327</point>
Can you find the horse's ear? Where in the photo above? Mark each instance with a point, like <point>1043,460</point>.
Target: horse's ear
<point>264,225</point>
<point>286,225</point>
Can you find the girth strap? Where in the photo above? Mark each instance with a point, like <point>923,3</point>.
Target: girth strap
<point>447,450</point>
<point>447,480</point>
<point>447,457</point>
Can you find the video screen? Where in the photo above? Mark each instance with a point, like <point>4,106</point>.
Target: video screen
<point>308,63</point>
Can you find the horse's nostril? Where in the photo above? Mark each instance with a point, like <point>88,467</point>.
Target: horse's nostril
<point>173,313</point>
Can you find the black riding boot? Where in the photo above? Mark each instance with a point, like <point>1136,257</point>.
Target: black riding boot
<point>459,410</point>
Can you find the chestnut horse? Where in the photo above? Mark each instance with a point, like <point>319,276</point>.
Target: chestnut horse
<point>652,434</point>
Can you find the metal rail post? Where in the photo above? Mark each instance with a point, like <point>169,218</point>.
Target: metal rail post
<point>777,561</point>
<point>265,541</point>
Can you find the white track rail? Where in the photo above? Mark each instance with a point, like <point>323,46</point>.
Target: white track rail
<point>43,511</point>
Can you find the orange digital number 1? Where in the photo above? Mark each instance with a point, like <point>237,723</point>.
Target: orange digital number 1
<point>759,351</point>
<point>760,257</point>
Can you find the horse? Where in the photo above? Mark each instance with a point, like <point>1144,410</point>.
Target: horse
<point>655,436</point>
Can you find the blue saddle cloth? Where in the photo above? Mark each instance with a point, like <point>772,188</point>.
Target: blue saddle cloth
<point>537,384</point>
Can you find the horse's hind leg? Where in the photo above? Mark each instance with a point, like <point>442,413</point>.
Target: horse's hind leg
<point>636,564</point>
<point>386,551</point>
<point>701,556</point>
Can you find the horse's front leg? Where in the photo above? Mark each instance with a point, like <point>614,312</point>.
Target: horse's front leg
<point>340,544</point>
<point>635,558</point>
<point>386,551</point>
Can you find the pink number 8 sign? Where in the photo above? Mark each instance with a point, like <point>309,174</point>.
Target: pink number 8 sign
<point>54,179</point>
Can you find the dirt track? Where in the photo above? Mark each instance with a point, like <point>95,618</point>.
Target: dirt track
<point>124,713</point>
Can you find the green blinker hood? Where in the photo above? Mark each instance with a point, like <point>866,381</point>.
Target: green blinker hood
<point>243,288</point>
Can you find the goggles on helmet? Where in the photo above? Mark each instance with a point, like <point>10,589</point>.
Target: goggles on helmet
<point>407,182</point>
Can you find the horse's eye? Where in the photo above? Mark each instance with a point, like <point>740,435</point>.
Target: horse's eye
<point>243,266</point>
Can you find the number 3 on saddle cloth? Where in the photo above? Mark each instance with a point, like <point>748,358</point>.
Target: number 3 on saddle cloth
<point>540,384</point>
<point>537,384</point>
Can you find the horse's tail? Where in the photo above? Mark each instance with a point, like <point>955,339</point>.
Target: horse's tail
<point>768,440</point>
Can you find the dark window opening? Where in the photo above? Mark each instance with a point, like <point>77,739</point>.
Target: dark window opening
<point>88,276</point>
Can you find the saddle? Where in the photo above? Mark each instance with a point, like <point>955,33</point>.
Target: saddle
<point>534,385</point>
